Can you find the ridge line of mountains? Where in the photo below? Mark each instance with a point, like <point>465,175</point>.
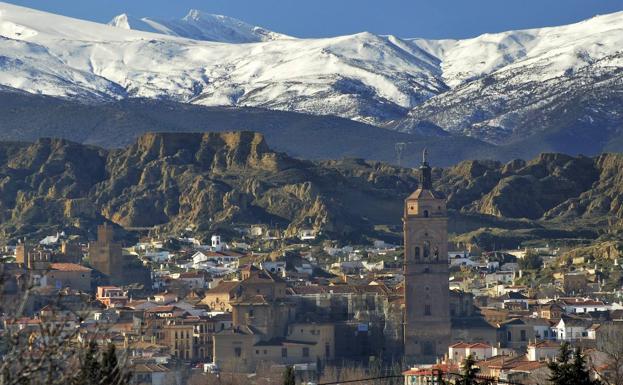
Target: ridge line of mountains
<point>214,181</point>
<point>519,92</point>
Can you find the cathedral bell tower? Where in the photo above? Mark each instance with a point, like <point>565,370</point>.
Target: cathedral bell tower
<point>427,327</point>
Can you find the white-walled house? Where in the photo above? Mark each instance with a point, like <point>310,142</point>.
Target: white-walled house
<point>515,298</point>
<point>307,234</point>
<point>277,267</point>
<point>543,329</point>
<point>570,329</point>
<point>158,256</point>
<point>543,350</point>
<point>459,351</point>
<point>216,243</point>
<point>219,258</point>
<point>461,258</point>
<point>500,277</point>
<point>581,305</point>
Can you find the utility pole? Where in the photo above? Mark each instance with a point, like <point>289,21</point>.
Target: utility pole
<point>400,147</point>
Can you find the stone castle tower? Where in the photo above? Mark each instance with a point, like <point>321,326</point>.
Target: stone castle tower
<point>107,255</point>
<point>427,325</point>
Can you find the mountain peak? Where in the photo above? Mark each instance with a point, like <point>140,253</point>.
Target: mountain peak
<point>121,21</point>
<point>193,14</point>
<point>199,25</point>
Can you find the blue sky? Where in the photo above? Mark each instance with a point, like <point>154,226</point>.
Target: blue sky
<point>318,18</point>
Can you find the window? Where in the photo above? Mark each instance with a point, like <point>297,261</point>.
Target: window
<point>427,309</point>
<point>523,335</point>
<point>425,213</point>
<point>327,350</point>
<point>284,352</point>
<point>237,352</point>
<point>509,336</point>
<point>417,252</point>
<point>305,352</point>
<point>251,313</point>
<point>428,348</point>
<point>426,249</point>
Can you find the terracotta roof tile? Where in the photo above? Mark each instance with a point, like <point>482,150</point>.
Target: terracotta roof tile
<point>69,267</point>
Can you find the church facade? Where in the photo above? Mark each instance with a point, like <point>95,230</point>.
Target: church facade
<point>427,319</point>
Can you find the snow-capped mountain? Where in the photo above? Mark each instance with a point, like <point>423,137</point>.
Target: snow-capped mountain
<point>362,76</point>
<point>505,87</point>
<point>490,87</point>
<point>200,26</point>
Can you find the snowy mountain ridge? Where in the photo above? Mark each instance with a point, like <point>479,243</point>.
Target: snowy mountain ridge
<point>399,83</point>
<point>199,25</point>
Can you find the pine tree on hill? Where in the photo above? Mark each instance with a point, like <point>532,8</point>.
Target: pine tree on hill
<point>570,368</point>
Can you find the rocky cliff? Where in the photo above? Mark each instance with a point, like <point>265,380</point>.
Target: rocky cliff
<point>170,182</point>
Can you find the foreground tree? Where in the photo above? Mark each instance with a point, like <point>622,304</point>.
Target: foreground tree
<point>42,350</point>
<point>570,368</point>
<point>610,354</point>
<point>90,371</point>
<point>288,376</point>
<point>469,371</point>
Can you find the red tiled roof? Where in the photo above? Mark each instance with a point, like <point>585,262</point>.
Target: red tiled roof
<point>545,344</point>
<point>465,345</point>
<point>224,287</point>
<point>192,274</point>
<point>162,309</point>
<point>69,267</point>
<point>459,345</point>
<point>528,366</point>
<point>429,370</point>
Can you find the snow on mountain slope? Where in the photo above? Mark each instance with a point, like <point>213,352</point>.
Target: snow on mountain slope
<point>200,26</point>
<point>362,76</point>
<point>506,87</point>
<point>376,79</point>
<point>565,47</point>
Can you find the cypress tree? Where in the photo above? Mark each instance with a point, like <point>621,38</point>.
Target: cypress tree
<point>288,376</point>
<point>469,371</point>
<point>111,374</point>
<point>570,368</point>
<point>90,370</point>
<point>579,372</point>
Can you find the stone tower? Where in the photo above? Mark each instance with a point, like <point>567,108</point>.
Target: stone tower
<point>427,327</point>
<point>105,254</point>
